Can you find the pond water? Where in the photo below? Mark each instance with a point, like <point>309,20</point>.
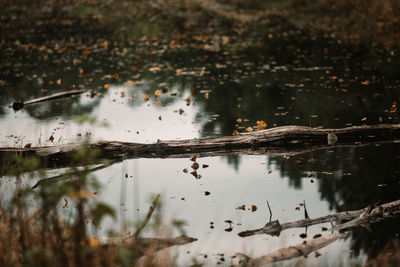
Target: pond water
<point>186,93</point>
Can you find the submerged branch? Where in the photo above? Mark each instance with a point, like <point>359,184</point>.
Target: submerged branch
<point>357,217</point>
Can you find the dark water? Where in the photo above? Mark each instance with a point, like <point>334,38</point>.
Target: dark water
<point>294,80</point>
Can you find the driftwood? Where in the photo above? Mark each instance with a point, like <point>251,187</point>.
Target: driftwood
<point>356,217</point>
<point>299,250</point>
<point>284,140</point>
<point>56,96</point>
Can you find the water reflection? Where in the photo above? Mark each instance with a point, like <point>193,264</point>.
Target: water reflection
<point>294,80</point>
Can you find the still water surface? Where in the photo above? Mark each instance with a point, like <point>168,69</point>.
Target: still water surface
<point>205,94</point>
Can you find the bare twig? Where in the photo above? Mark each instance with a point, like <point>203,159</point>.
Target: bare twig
<point>270,212</point>
<point>305,211</point>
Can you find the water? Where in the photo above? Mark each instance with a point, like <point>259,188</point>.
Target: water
<point>295,81</point>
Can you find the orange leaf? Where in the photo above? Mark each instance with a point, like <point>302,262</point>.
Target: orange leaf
<point>106,86</point>
<point>116,76</point>
<point>261,125</point>
<point>133,68</point>
<point>85,52</point>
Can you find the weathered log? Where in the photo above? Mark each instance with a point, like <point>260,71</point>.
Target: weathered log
<point>299,250</point>
<point>279,140</point>
<point>56,96</point>
<point>356,217</point>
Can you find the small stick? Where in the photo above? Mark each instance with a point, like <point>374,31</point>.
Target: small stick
<point>270,212</point>
<point>305,211</point>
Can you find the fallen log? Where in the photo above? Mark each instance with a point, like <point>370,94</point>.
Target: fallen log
<point>299,250</point>
<point>19,105</point>
<point>356,217</point>
<point>275,141</point>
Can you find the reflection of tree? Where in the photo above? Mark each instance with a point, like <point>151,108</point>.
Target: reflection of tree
<point>351,178</point>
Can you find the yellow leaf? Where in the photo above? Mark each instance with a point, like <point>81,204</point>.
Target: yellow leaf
<point>235,132</point>
<point>145,97</point>
<point>157,92</point>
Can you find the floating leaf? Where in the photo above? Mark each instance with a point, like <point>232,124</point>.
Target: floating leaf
<point>253,208</point>
<point>133,68</point>
<point>157,92</point>
<point>235,132</point>
<point>106,86</point>
<point>261,125</point>
<point>154,69</point>
<point>243,207</point>
<point>205,166</point>
<point>85,52</point>
<point>146,97</point>
<point>249,129</point>
<point>185,170</point>
<point>115,75</point>
<point>195,166</point>
<point>207,193</point>
<point>194,158</point>
<point>194,173</point>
